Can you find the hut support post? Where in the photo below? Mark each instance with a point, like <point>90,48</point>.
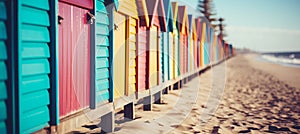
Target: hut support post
<point>177,85</point>
<point>181,83</point>
<point>147,102</point>
<point>171,87</point>
<point>129,111</point>
<point>157,97</point>
<point>108,122</point>
<point>166,90</point>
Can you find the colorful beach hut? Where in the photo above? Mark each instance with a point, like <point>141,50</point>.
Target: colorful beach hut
<point>204,24</point>
<point>166,42</point>
<point>142,45</point>
<point>183,25</point>
<point>102,51</point>
<point>192,44</point>
<point>157,23</point>
<point>199,40</point>
<point>124,49</point>
<point>175,51</point>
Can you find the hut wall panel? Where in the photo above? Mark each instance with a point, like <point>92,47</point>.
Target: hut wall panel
<point>102,53</point>
<point>153,57</point>
<point>184,53</point>
<point>119,55</point>
<point>128,7</point>
<point>132,55</point>
<point>166,55</point>
<point>190,53</point>
<point>3,67</point>
<point>125,81</point>
<point>161,57</point>
<point>171,56</point>
<point>177,54</point>
<point>74,60</point>
<point>198,54</point>
<point>206,53</point>
<point>34,65</point>
<point>195,47</point>
<point>202,57</point>
<point>141,59</point>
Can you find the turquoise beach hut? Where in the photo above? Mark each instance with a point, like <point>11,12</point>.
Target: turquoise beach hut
<point>166,42</point>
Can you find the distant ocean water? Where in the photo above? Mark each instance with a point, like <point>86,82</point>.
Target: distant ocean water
<point>284,58</point>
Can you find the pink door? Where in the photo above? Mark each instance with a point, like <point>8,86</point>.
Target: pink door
<point>74,59</point>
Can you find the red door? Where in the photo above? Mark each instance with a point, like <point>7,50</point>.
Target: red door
<point>74,59</point>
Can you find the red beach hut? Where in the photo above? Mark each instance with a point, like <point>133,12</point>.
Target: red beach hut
<point>74,55</point>
<point>142,45</point>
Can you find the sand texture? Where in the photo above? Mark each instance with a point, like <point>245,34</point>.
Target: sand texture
<point>241,95</point>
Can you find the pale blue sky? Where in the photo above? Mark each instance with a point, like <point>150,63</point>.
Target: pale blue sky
<point>261,25</point>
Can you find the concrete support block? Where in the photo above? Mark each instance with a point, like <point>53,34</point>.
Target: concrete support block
<point>147,102</point>
<point>158,98</point>
<point>166,90</point>
<point>177,85</point>
<point>129,111</point>
<point>107,123</point>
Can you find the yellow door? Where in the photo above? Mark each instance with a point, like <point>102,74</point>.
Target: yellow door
<point>153,74</point>
<point>132,55</point>
<point>119,55</point>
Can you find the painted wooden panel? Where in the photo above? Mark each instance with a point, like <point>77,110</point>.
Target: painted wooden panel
<point>81,3</point>
<point>171,56</point>
<point>3,68</point>
<point>153,57</point>
<point>141,59</point>
<point>203,40</point>
<point>34,66</point>
<point>132,55</point>
<point>186,51</point>
<point>177,54</point>
<point>128,7</point>
<point>183,54</point>
<point>119,55</point>
<point>198,53</point>
<point>191,55</point>
<point>74,60</point>
<point>166,55</point>
<point>102,53</point>
<point>161,57</point>
<point>195,55</point>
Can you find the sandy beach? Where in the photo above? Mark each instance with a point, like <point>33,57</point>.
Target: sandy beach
<point>241,95</point>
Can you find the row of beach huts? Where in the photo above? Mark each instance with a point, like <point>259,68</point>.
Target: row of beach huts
<point>64,63</point>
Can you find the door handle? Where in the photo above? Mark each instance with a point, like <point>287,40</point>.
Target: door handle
<point>60,19</point>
